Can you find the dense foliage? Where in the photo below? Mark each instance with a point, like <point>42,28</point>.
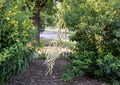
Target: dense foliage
<point>96,26</point>
<point>16,32</point>
<point>43,14</point>
<point>47,20</point>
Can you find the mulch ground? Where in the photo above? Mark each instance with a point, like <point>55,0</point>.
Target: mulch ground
<point>35,75</point>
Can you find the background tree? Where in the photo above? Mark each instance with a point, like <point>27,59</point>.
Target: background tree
<point>46,7</point>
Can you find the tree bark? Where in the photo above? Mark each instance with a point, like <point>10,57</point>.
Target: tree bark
<point>36,18</point>
<point>36,22</point>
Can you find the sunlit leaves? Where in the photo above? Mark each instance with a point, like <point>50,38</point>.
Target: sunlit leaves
<point>16,30</point>
<point>96,26</point>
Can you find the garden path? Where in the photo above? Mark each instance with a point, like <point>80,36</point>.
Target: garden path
<point>35,75</point>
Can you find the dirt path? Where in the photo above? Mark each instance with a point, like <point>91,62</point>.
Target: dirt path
<point>35,75</point>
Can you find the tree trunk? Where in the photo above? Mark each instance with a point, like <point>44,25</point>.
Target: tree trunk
<point>36,20</point>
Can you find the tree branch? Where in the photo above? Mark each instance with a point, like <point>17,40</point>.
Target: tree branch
<point>43,4</point>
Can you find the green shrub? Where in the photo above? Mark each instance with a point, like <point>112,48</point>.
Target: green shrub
<point>96,25</point>
<point>14,60</point>
<point>108,66</point>
<point>16,33</point>
<point>42,56</point>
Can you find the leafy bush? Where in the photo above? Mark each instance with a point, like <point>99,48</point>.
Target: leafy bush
<point>96,26</point>
<point>16,32</point>
<point>13,61</point>
<point>47,21</point>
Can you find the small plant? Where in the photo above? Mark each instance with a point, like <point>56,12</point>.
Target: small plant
<point>52,55</point>
<point>55,47</point>
<point>42,56</point>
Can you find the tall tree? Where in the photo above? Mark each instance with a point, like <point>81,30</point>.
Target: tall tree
<point>36,17</point>
<point>41,5</point>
